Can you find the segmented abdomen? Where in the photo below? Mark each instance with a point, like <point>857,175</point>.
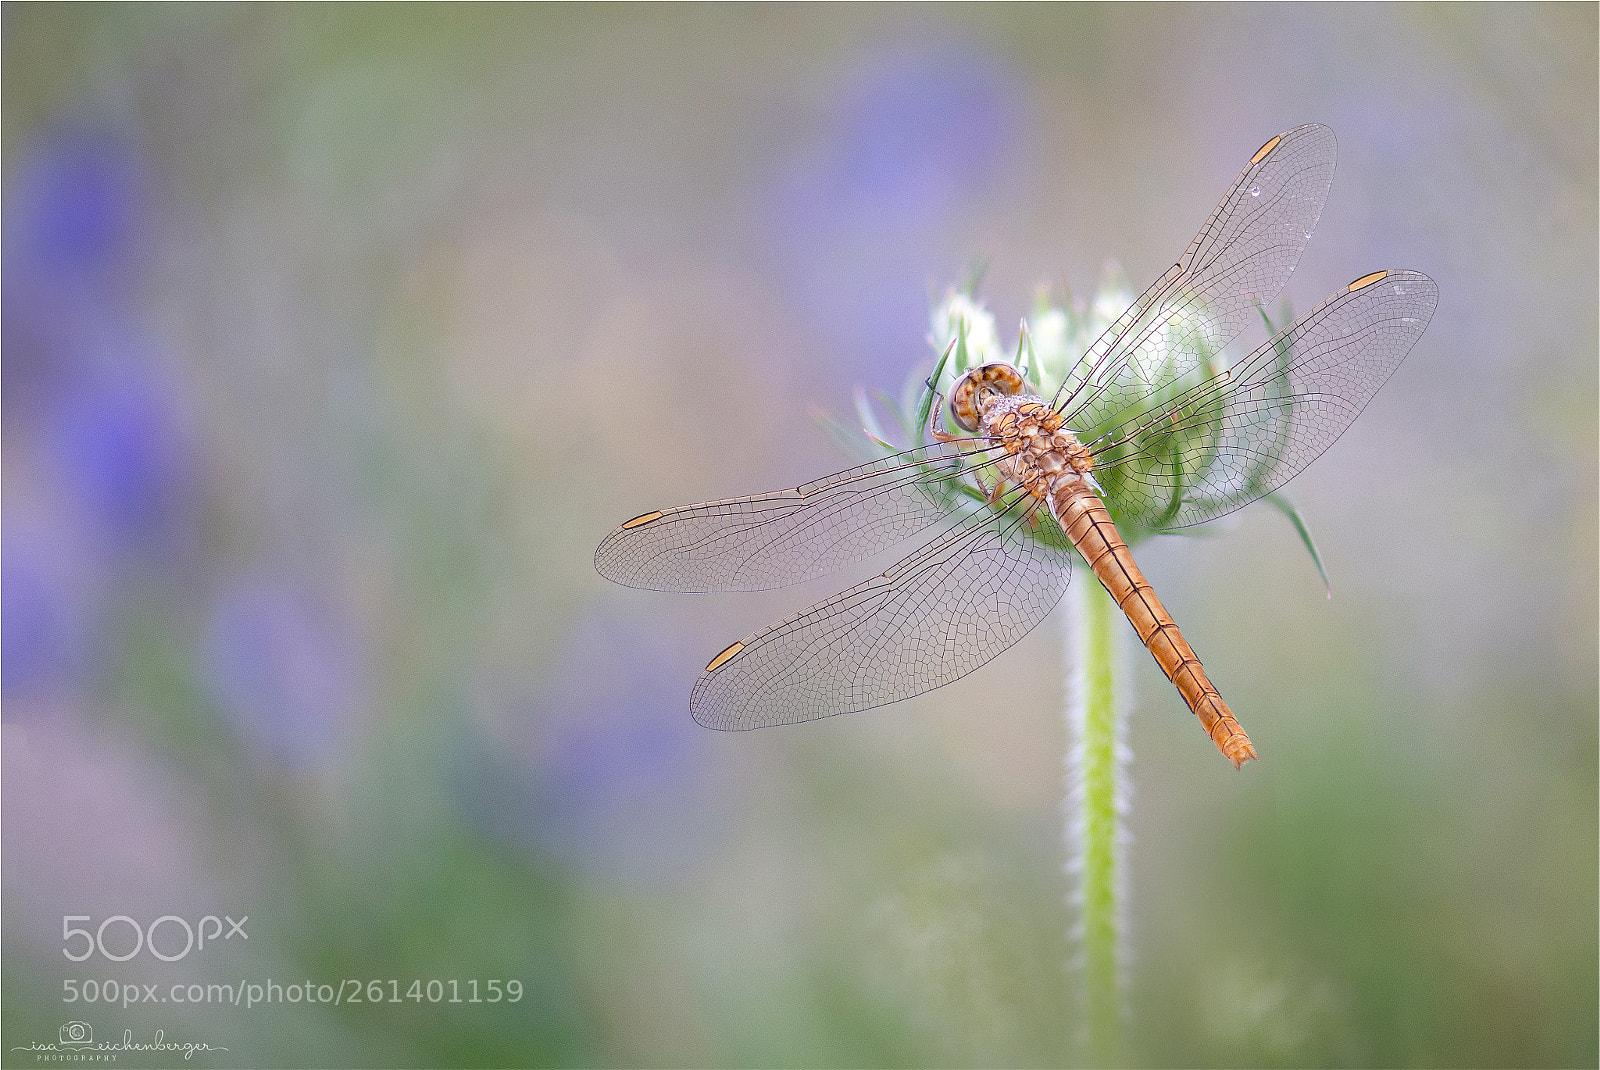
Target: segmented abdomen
<point>1083,517</point>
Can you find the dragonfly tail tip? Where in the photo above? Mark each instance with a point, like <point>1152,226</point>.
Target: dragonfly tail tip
<point>1241,753</point>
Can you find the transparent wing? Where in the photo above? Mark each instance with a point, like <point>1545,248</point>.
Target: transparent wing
<point>1241,258</point>
<point>934,617</point>
<point>1229,440</point>
<point>773,540</point>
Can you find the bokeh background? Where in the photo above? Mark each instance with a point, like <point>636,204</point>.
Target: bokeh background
<point>335,338</point>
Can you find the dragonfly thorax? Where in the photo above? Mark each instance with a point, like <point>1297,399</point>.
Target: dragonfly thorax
<point>1041,454</point>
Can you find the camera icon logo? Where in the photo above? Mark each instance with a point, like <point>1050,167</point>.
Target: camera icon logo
<point>76,1035</point>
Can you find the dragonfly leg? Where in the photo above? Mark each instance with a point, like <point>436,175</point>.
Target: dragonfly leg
<point>938,433</point>
<point>941,435</point>
<point>977,477</point>
<point>991,493</point>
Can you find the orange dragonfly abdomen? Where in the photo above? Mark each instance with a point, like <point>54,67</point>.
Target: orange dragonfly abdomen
<point>1083,516</point>
<point>1049,463</point>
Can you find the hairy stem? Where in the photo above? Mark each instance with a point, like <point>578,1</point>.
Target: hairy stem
<point>1096,812</point>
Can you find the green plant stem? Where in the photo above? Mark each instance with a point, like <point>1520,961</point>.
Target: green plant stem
<point>1096,811</point>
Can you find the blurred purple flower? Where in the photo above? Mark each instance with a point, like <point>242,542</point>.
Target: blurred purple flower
<point>113,429</point>
<point>283,670</point>
<point>913,142</point>
<point>71,216</point>
<point>611,770</point>
<point>75,201</point>
<point>121,445</point>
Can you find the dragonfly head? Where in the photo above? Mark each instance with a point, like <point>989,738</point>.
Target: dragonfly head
<point>977,386</point>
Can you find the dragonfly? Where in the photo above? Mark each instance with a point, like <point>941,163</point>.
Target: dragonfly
<point>1151,430</point>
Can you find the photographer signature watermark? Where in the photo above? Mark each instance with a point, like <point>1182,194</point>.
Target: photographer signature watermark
<point>75,1043</point>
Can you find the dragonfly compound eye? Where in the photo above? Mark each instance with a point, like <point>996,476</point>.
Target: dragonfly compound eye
<point>968,395</point>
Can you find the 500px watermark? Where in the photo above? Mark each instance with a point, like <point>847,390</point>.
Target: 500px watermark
<point>254,993</point>
<point>127,930</point>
